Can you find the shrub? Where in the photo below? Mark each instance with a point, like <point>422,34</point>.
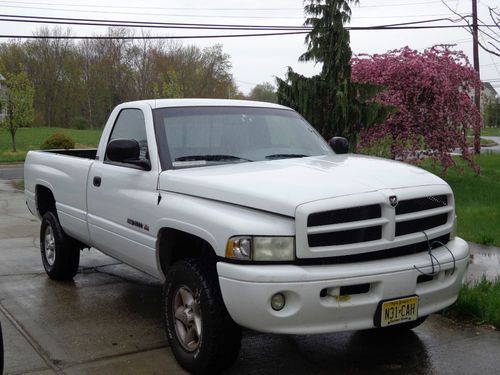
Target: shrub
<point>58,140</point>
<point>79,123</point>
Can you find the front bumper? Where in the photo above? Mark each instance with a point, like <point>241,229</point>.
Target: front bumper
<point>247,290</point>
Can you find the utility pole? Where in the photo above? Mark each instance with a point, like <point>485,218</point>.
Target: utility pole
<point>477,90</point>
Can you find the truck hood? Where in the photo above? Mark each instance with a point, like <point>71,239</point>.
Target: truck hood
<point>280,186</point>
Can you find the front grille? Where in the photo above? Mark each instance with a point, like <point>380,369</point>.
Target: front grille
<point>399,251</point>
<point>419,225</point>
<point>367,229</point>
<point>344,215</point>
<point>417,205</point>
<point>345,237</point>
<point>421,204</point>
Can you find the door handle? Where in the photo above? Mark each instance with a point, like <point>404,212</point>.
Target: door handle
<point>97,181</point>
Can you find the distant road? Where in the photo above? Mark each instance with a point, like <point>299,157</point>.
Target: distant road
<point>11,172</point>
<point>491,149</point>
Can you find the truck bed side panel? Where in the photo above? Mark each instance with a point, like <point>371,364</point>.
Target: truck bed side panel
<point>66,176</point>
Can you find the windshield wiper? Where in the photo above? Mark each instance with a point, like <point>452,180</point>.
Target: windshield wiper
<point>216,157</point>
<point>285,156</point>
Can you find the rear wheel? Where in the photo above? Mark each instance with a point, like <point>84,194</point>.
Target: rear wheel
<point>60,253</point>
<point>202,335</point>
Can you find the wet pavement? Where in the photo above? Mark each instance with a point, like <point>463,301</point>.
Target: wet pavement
<point>108,321</point>
<point>485,262</point>
<point>11,171</point>
<point>491,149</point>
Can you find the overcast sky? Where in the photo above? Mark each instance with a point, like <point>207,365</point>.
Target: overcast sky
<point>259,59</point>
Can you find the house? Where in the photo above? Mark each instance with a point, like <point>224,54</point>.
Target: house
<point>488,93</point>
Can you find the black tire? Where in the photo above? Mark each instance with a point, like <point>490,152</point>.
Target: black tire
<point>217,346</point>
<point>61,256</point>
<point>404,326</point>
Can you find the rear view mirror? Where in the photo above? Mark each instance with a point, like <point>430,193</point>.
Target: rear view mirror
<point>126,151</point>
<point>339,144</point>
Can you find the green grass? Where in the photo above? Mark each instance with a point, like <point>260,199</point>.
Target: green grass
<point>31,139</point>
<point>478,303</point>
<point>477,199</point>
<point>484,141</point>
<point>495,132</point>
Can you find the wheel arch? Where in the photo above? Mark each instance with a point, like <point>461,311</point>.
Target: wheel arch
<point>45,200</point>
<point>174,244</point>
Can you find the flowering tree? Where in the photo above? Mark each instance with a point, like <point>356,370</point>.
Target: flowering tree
<point>432,91</point>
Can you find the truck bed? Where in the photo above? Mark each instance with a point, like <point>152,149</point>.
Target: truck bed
<point>87,153</point>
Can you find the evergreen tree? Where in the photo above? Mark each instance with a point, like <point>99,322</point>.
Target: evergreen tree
<point>333,104</point>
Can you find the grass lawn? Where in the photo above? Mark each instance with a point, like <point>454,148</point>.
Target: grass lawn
<point>495,132</point>
<point>477,199</point>
<point>479,303</point>
<point>31,139</point>
<point>484,141</point>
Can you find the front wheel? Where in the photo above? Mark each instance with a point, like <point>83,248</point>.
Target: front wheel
<point>202,335</point>
<point>60,253</point>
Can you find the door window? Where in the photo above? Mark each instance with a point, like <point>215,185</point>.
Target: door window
<point>130,124</point>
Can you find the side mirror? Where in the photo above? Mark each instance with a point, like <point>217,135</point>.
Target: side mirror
<point>339,144</point>
<point>126,151</point>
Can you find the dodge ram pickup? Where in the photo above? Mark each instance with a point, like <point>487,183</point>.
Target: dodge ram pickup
<point>250,219</point>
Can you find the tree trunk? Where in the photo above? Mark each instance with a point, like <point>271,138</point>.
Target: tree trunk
<point>13,137</point>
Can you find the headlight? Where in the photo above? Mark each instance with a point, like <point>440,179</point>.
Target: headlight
<point>261,248</point>
<point>453,232</point>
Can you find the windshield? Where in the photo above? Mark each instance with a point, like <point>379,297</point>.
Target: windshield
<point>202,136</point>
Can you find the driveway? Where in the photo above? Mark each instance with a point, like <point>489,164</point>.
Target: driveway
<point>108,321</point>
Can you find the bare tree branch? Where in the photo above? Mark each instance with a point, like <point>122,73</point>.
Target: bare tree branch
<point>492,32</point>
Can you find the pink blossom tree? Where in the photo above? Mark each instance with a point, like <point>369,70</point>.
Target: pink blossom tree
<point>431,90</point>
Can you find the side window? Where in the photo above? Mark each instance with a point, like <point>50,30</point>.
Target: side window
<point>130,124</point>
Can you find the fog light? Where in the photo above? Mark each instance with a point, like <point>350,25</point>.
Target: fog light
<point>278,301</point>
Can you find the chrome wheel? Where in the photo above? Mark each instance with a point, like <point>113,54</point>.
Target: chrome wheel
<point>187,313</point>
<point>50,246</point>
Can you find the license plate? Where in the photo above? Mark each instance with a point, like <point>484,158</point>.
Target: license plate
<point>398,311</point>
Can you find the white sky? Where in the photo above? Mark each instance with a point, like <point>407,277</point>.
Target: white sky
<point>259,59</point>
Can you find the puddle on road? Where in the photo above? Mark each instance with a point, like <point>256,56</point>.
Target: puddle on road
<point>484,262</point>
<point>486,259</point>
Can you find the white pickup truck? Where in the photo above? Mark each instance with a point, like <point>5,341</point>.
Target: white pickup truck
<point>252,220</point>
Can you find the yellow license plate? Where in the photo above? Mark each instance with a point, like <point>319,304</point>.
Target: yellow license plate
<point>399,311</point>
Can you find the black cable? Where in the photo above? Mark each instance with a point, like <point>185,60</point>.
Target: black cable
<point>122,23</point>
<point>434,259</point>
<point>287,30</point>
<point>451,253</point>
<point>147,23</point>
<point>85,37</point>
<point>220,9</point>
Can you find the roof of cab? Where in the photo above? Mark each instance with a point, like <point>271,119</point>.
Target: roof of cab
<point>163,103</point>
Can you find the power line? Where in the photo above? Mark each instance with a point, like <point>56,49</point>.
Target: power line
<point>139,23</point>
<point>4,36</point>
<point>187,15</point>
<point>283,30</point>
<point>152,24</point>
<point>215,9</point>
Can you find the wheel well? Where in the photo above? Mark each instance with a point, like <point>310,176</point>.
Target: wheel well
<point>45,201</point>
<point>174,244</point>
